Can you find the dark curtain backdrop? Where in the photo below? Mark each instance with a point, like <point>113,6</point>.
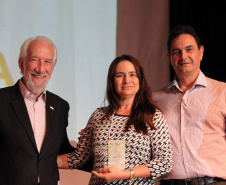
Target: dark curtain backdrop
<point>209,19</point>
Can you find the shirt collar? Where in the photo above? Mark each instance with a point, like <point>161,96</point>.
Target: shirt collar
<point>200,81</point>
<point>29,95</point>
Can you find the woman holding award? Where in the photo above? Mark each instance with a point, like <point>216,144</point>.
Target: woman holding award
<point>128,139</point>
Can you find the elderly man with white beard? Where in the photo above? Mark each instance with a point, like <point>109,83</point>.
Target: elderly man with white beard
<point>33,120</point>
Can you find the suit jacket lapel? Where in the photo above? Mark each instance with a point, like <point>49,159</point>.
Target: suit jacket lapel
<point>19,107</point>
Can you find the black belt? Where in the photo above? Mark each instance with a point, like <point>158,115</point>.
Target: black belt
<point>194,181</point>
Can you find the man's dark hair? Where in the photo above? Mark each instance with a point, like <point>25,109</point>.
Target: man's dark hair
<point>182,29</point>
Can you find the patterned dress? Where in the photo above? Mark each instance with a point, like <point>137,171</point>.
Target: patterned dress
<point>153,150</point>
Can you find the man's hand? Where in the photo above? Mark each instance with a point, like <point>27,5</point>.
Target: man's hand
<point>80,133</point>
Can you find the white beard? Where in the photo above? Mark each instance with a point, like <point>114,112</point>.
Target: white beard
<point>37,90</point>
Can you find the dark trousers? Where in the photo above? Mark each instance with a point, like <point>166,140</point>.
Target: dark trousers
<point>195,181</point>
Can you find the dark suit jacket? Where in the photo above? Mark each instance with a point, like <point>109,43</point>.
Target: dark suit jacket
<point>20,162</point>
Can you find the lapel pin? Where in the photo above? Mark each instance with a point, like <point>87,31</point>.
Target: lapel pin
<point>51,108</point>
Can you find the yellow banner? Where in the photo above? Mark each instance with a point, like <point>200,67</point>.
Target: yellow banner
<point>5,74</point>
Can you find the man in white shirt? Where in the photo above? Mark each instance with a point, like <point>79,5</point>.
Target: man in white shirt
<point>195,109</point>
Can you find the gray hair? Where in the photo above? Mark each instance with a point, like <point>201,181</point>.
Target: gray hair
<point>24,47</point>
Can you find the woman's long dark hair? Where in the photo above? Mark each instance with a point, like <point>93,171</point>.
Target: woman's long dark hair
<point>143,108</point>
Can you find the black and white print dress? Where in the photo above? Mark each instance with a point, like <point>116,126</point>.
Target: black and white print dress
<point>153,150</point>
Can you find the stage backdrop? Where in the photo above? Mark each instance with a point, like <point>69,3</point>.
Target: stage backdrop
<point>88,35</point>
<point>84,33</point>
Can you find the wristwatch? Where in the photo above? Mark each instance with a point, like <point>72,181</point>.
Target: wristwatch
<point>132,174</point>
